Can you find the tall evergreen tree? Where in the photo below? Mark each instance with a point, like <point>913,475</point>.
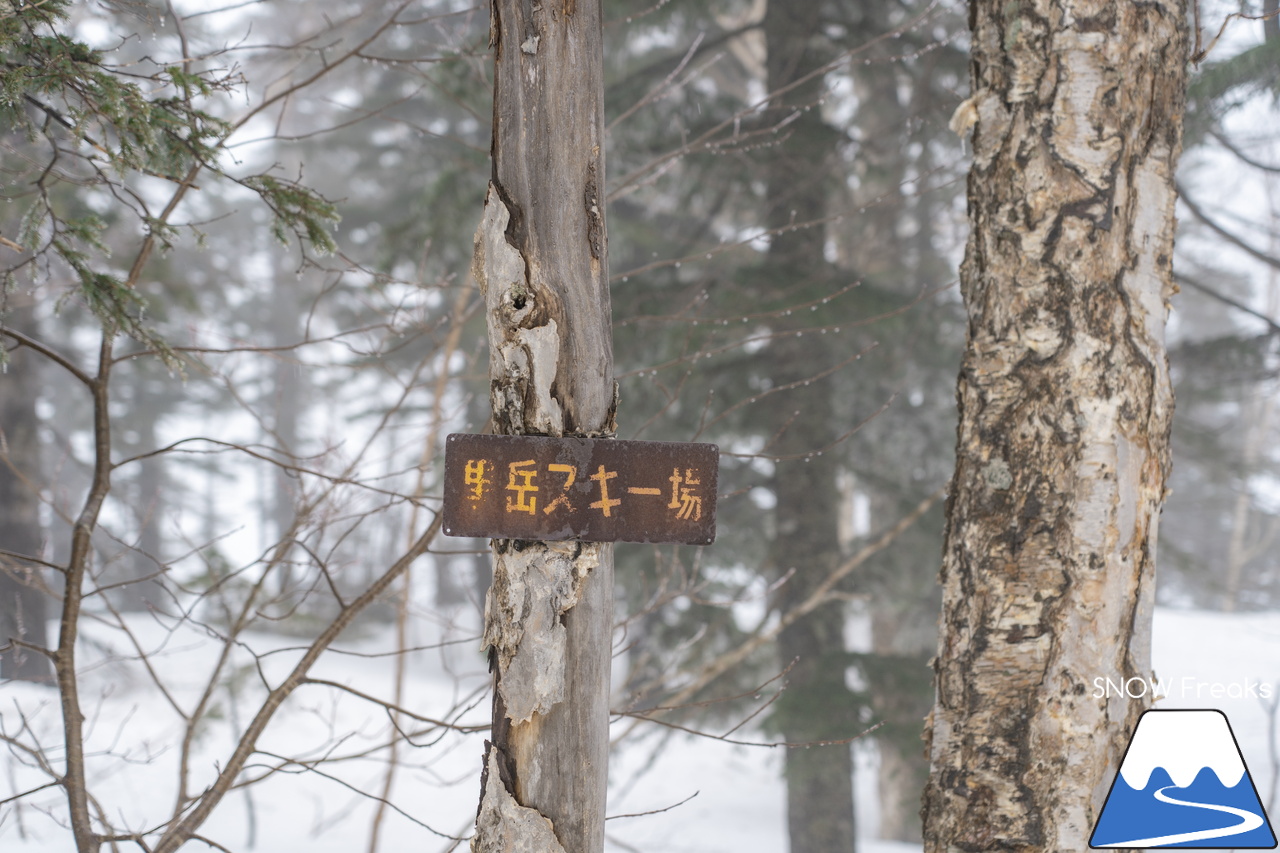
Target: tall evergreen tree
<point>854,264</point>
<point>24,594</point>
<point>818,706</point>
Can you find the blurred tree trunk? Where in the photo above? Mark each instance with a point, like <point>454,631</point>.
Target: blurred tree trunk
<point>540,259</point>
<point>141,566</point>
<point>23,601</point>
<point>900,695</point>
<point>1065,405</point>
<point>817,706</point>
<point>1246,542</point>
<point>1253,533</point>
<point>883,251</point>
<point>287,400</point>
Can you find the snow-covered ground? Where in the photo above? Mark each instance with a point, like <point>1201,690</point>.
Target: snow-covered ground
<point>740,807</point>
<point>739,802</point>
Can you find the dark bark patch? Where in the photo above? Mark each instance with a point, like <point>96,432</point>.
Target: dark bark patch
<point>1103,22</point>
<point>595,220</point>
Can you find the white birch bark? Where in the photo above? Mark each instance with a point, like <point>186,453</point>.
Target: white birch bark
<point>1065,405</point>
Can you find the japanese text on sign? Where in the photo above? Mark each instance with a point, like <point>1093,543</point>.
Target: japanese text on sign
<point>600,490</point>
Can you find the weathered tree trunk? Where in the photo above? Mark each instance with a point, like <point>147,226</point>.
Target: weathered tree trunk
<point>23,600</point>
<point>1065,405</point>
<point>818,706</point>
<point>541,261</point>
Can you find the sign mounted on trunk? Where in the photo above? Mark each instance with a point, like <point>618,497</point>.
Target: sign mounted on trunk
<point>594,490</point>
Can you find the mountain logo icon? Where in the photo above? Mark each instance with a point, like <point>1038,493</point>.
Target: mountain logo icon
<point>1183,783</point>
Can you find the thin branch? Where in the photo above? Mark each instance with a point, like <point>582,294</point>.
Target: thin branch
<point>65,668</point>
<point>18,8</point>
<point>310,767</point>
<point>707,138</point>
<point>215,845</point>
<point>1198,213</point>
<point>144,658</point>
<point>353,653</point>
<point>1227,300</point>
<point>654,811</point>
<point>809,454</point>
<point>93,143</point>
<point>818,597</point>
<point>662,87</point>
<point>132,837</point>
<point>396,708</point>
<point>15,797</point>
<point>49,353</point>
<point>1240,155</point>
<point>1201,53</point>
<point>27,558</point>
<point>773,745</point>
<point>15,643</point>
<point>179,833</point>
<point>429,448</point>
<point>224,446</point>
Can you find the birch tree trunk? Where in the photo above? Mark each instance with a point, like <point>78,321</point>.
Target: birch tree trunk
<point>1065,405</point>
<point>541,262</point>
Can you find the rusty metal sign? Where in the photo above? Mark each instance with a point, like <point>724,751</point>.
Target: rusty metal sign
<point>595,490</point>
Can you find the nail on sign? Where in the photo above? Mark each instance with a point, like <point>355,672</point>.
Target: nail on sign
<point>594,490</point>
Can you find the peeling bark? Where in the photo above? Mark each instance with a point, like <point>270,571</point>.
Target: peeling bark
<point>533,588</point>
<point>505,826</point>
<point>541,261</point>
<point>524,342</point>
<point>1065,405</point>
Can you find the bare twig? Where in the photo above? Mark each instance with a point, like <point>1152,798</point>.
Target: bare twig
<point>1198,213</point>
<point>429,448</point>
<point>55,783</point>
<point>1226,300</point>
<point>820,595</point>
<point>654,811</point>
<point>180,832</point>
<point>49,353</point>
<point>1201,52</point>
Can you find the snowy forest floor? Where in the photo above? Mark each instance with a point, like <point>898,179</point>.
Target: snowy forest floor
<point>739,802</point>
